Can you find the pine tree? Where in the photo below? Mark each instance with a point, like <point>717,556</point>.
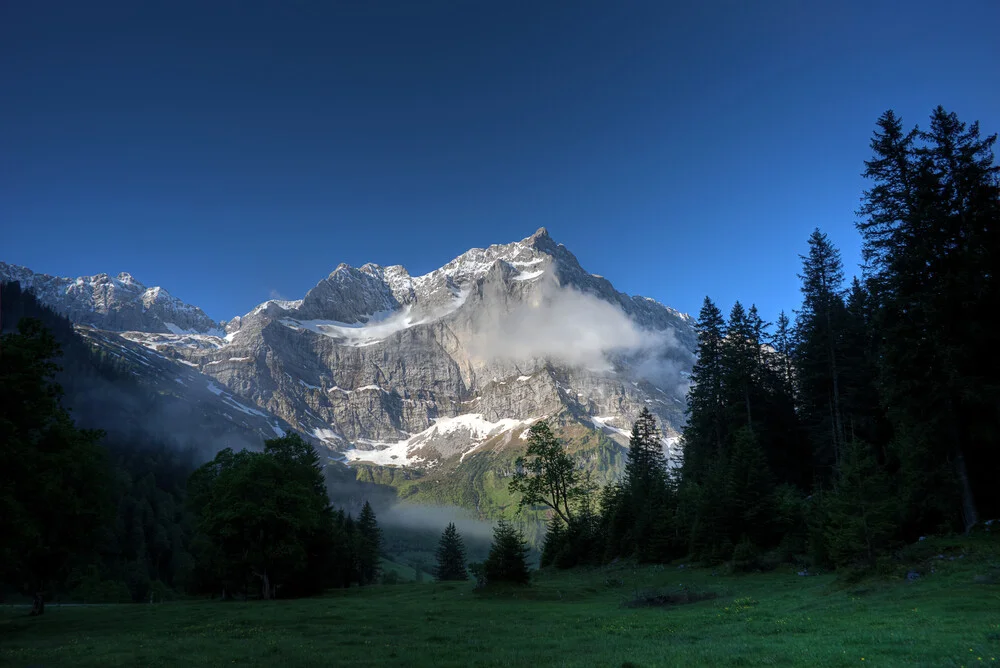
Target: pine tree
<point>705,430</point>
<point>646,467</point>
<point>554,542</point>
<point>864,414</point>
<point>930,225</point>
<point>783,344</point>
<point>451,556</point>
<point>369,537</point>
<point>508,558</point>
<point>647,494</point>
<point>819,349</point>
<point>740,357</point>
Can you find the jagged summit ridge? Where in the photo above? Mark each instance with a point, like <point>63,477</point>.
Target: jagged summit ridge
<point>119,303</point>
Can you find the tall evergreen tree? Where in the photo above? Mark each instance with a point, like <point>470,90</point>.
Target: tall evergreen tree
<point>369,546</point>
<point>740,358</point>
<point>930,225</point>
<point>646,468</point>
<point>819,349</point>
<point>647,499</point>
<point>705,430</point>
<point>451,556</point>
<point>784,348</point>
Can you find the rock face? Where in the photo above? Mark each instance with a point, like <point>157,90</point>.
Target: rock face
<point>118,303</point>
<point>389,368</point>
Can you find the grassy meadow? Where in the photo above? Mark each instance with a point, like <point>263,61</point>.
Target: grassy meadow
<point>948,617</point>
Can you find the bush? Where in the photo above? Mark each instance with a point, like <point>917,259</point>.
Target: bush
<point>745,557</point>
<point>652,598</point>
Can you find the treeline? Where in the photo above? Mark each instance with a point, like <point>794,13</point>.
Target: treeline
<point>870,419</point>
<point>113,518</point>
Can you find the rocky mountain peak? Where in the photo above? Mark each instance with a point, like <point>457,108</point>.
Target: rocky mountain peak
<point>118,303</point>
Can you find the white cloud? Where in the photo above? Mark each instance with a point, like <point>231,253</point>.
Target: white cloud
<point>578,329</point>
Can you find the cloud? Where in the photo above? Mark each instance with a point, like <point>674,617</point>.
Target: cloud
<point>274,294</point>
<point>578,329</point>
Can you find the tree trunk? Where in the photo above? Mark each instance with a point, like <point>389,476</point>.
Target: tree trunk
<point>37,605</point>
<point>970,515</point>
<point>838,423</point>
<point>746,397</point>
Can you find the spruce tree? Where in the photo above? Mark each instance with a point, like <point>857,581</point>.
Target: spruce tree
<point>508,557</point>
<point>740,355</point>
<point>930,225</point>
<point>819,349</point>
<point>369,537</point>
<point>783,344</point>
<point>646,467</point>
<point>647,493</point>
<point>451,556</point>
<point>705,430</point>
<point>554,542</point>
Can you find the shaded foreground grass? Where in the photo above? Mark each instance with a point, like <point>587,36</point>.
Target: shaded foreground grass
<point>564,619</point>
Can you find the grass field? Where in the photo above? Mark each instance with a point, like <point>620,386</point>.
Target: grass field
<point>944,618</point>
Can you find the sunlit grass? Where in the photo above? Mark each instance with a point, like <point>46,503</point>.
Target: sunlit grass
<point>564,619</point>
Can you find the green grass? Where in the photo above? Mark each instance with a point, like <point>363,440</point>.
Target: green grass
<point>405,572</point>
<point>565,619</point>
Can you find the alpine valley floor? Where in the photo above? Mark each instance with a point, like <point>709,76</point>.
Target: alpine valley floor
<point>948,617</point>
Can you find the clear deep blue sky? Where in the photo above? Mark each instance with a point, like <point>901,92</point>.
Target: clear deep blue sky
<point>230,151</point>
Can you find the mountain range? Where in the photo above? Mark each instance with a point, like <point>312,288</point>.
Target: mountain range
<point>427,383</point>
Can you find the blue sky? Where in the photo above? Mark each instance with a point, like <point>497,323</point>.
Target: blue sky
<point>230,150</point>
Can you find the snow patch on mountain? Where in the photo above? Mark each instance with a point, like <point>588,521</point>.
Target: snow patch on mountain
<point>378,328</point>
<point>602,423</point>
<point>470,430</point>
<point>529,275</point>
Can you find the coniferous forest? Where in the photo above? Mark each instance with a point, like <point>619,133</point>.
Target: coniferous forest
<point>867,418</point>
<point>862,420</point>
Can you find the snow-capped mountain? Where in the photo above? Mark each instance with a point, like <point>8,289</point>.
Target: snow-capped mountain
<point>118,303</point>
<point>425,371</point>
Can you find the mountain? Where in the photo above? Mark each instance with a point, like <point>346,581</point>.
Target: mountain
<point>436,377</point>
<point>139,396</point>
<point>114,303</point>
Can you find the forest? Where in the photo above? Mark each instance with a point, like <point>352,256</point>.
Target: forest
<point>865,420</point>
